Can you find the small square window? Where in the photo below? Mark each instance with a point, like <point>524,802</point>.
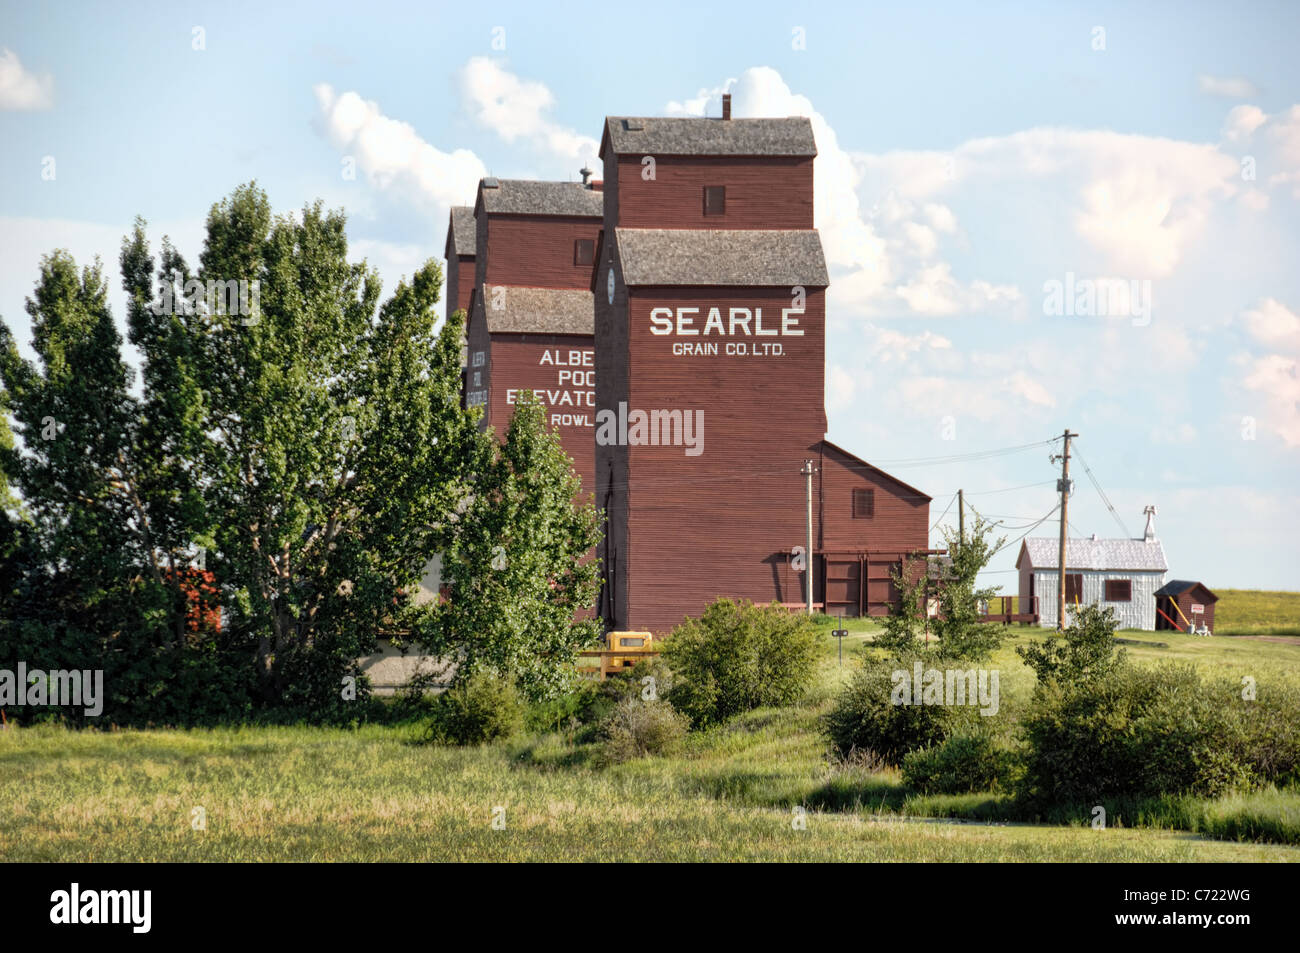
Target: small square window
<point>715,200</point>
<point>864,504</point>
<point>584,251</point>
<point>1119,590</point>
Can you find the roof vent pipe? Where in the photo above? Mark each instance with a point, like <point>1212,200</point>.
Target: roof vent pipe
<point>586,176</point>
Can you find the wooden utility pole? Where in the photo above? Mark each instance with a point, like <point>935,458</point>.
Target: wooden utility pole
<point>961,517</point>
<point>807,472</point>
<point>1063,486</point>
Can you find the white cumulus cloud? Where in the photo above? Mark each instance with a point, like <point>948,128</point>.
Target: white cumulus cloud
<point>392,154</point>
<point>882,259</point>
<point>21,89</point>
<point>1232,87</point>
<point>516,109</point>
<point>1273,378</point>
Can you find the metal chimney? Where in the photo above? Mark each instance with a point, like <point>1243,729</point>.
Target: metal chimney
<point>586,176</point>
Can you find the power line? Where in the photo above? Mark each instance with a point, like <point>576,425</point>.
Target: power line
<point>945,512</point>
<point>1049,515</point>
<point>1008,489</point>
<point>964,457</point>
<point>742,473</point>
<point>1102,493</point>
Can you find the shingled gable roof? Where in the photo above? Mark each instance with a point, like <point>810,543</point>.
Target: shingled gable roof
<point>526,197</point>
<point>1176,587</point>
<point>1105,555</point>
<point>536,310</point>
<point>630,135</point>
<point>460,232</point>
<point>749,257</point>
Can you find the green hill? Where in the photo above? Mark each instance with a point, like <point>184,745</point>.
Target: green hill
<point>1256,611</point>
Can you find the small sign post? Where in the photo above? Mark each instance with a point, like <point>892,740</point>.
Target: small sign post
<point>840,633</point>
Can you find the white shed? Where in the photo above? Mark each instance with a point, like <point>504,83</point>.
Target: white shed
<point>1120,574</point>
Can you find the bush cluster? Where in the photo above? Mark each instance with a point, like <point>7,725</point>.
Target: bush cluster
<point>638,727</point>
<point>1152,731</point>
<point>1098,730</point>
<point>966,761</point>
<point>863,716</point>
<point>737,657</point>
<point>478,709</point>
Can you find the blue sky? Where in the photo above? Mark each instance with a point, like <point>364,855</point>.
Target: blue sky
<point>970,156</point>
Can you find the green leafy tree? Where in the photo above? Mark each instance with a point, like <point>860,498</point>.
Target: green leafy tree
<point>336,444</point>
<point>961,633</point>
<point>84,587</point>
<point>517,562</point>
<point>1085,651</point>
<point>302,443</point>
<point>904,624</point>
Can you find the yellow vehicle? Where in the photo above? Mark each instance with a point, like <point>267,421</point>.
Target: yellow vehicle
<point>636,645</point>
<point>622,651</point>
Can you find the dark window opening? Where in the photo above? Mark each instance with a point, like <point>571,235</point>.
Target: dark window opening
<point>584,251</point>
<point>1119,590</point>
<point>864,504</point>
<point>715,200</point>
<point>1074,587</point>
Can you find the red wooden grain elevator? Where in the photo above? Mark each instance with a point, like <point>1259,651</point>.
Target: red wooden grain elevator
<point>531,319</point>
<point>710,304</point>
<point>460,253</point>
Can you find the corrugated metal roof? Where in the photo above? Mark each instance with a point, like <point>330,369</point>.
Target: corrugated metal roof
<point>526,197</point>
<point>460,231</point>
<point>513,310</point>
<point>792,136</point>
<point>755,257</point>
<point>1097,554</point>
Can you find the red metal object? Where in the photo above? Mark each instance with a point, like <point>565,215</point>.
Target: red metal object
<point>203,598</point>
<point>1169,620</point>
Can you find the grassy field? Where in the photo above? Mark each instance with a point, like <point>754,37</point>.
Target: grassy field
<point>374,794</point>
<point>1256,612</point>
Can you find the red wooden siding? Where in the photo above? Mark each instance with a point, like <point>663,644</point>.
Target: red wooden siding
<point>560,369</point>
<point>766,192</point>
<point>536,251</point>
<point>733,512</point>
<point>682,529</point>
<point>460,283</point>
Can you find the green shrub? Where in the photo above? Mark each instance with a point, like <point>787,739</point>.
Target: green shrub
<point>864,716</point>
<point>566,712</point>
<point>1138,732</point>
<point>636,728</point>
<point>1264,732</point>
<point>480,708</point>
<point>964,762</point>
<point>1085,650</point>
<point>737,657</point>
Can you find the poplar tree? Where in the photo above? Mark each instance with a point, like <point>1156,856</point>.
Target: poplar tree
<point>297,440</point>
<point>335,441</point>
<point>518,562</point>
<point>77,594</point>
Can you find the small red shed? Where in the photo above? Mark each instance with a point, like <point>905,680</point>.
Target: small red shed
<point>1182,605</point>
